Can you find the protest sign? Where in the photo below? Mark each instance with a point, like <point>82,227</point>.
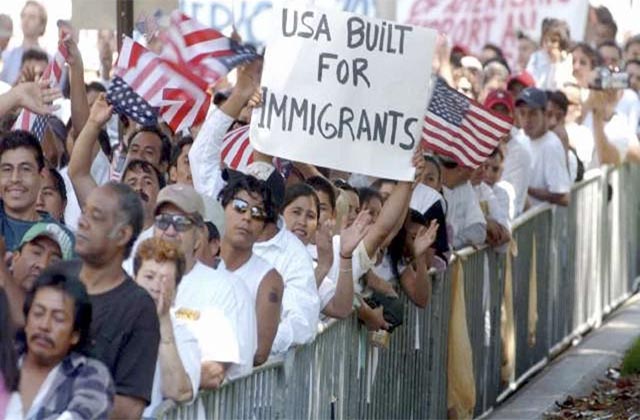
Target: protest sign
<point>474,23</point>
<point>343,91</point>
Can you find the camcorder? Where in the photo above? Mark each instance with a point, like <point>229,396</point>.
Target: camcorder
<point>606,78</point>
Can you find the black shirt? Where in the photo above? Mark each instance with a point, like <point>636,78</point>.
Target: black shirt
<point>125,334</point>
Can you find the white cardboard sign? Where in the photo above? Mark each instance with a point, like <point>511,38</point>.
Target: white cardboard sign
<point>343,91</point>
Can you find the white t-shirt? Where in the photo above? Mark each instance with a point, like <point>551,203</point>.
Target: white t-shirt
<point>506,196</point>
<point>494,208</point>
<point>190,356</point>
<point>99,172</point>
<point>549,75</point>
<point>464,216</point>
<point>549,166</point>
<point>423,197</point>
<point>300,301</point>
<point>208,298</point>
<point>618,132</point>
<point>252,273</point>
<point>247,328</point>
<point>517,167</point>
<point>581,138</point>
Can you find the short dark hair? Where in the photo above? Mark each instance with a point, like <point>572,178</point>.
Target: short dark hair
<point>95,86</point>
<point>321,184</point>
<point>636,62</point>
<point>296,191</point>
<point>70,285</point>
<point>241,182</point>
<point>130,208</point>
<point>592,54</point>
<point>366,194</point>
<point>611,43</point>
<point>161,251</point>
<point>212,231</point>
<point>377,184</point>
<point>497,152</point>
<point>20,138</point>
<point>435,162</point>
<point>344,186</point>
<point>559,99</point>
<point>165,153</point>
<point>58,181</point>
<point>177,149</point>
<point>633,40</point>
<point>147,168</point>
<point>34,54</point>
<point>493,47</point>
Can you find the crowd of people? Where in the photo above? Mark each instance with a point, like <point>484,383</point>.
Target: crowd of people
<point>123,287</point>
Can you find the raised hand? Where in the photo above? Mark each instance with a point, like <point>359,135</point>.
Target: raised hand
<point>324,244</point>
<point>351,236</point>
<point>101,111</point>
<point>425,238</point>
<point>37,96</point>
<point>73,58</point>
<point>418,162</point>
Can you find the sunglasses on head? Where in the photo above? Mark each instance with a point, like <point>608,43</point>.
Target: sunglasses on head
<point>242,206</point>
<point>180,223</point>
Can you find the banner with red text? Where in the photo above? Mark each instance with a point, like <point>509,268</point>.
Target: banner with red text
<point>473,23</point>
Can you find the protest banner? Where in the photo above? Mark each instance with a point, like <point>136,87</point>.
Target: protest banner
<point>251,18</point>
<point>343,91</point>
<point>474,23</point>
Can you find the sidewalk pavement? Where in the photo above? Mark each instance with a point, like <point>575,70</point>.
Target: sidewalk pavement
<point>577,370</point>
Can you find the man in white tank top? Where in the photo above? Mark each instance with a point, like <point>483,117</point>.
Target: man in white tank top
<point>245,209</point>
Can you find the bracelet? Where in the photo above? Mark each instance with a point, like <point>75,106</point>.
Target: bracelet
<point>345,270</point>
<point>345,258</point>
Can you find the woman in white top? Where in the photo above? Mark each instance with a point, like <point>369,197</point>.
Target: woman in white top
<point>301,210</point>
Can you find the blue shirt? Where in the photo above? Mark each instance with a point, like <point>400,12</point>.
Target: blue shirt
<point>13,229</point>
<point>11,65</point>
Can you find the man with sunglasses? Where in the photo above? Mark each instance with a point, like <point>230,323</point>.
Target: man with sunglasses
<point>245,209</point>
<point>205,291</point>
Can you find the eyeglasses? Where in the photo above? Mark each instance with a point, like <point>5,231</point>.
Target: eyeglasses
<point>242,206</point>
<point>180,223</point>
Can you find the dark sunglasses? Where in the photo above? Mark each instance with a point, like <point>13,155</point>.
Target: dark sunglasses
<point>242,206</point>
<point>180,223</point>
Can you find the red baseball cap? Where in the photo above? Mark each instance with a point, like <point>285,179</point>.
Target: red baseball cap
<point>524,78</point>
<point>500,96</point>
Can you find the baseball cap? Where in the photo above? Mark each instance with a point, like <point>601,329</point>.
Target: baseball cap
<point>53,231</point>
<point>524,78</point>
<point>533,98</point>
<point>499,96</point>
<point>183,197</point>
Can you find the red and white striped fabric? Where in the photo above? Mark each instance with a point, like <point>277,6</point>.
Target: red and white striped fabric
<point>180,95</point>
<point>461,128</point>
<point>207,53</point>
<point>237,152</point>
<point>52,73</point>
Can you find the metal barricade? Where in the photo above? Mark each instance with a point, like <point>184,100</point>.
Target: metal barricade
<point>586,264</point>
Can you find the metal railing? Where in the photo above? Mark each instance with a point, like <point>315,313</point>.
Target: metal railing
<point>586,262</point>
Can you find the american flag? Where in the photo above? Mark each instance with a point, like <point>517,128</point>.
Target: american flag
<point>460,128</point>
<point>29,120</point>
<point>179,95</point>
<point>237,152</point>
<point>207,52</point>
<point>127,102</point>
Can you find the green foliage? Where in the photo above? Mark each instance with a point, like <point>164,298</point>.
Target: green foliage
<point>631,361</point>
